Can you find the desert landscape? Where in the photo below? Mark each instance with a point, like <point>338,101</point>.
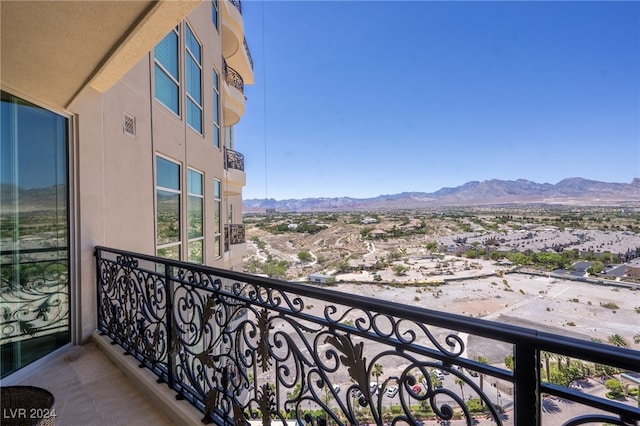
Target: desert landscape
<point>415,269</point>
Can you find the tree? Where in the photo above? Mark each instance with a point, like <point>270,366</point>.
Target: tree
<point>508,361</point>
<point>400,270</point>
<point>377,372</point>
<point>615,388</point>
<point>304,256</point>
<point>483,360</point>
<point>636,338</point>
<point>460,383</point>
<point>595,268</point>
<point>618,340</point>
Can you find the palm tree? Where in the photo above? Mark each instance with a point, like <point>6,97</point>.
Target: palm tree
<point>460,383</point>
<point>618,340</point>
<point>377,372</point>
<point>483,360</point>
<point>546,364</point>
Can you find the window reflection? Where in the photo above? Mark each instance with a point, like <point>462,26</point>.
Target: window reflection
<point>34,268</point>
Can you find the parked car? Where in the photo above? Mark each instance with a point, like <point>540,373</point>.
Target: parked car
<point>392,391</point>
<point>355,393</point>
<point>336,388</point>
<point>438,374</point>
<point>417,389</point>
<point>472,373</point>
<point>373,388</point>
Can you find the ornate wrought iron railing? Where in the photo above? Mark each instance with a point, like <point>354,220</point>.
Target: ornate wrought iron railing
<point>234,159</point>
<point>237,4</point>
<point>233,78</point>
<point>233,234</point>
<point>246,48</point>
<point>34,293</point>
<point>242,347</point>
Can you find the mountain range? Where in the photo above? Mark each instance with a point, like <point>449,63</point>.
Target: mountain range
<point>574,191</point>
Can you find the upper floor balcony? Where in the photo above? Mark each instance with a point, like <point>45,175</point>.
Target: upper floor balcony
<point>234,46</point>
<point>235,100</point>
<point>234,174</point>
<point>233,234</point>
<point>240,347</point>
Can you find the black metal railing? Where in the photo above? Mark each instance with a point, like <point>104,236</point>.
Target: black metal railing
<point>246,48</point>
<point>233,159</point>
<point>242,347</point>
<point>233,78</point>
<point>34,293</point>
<point>233,234</point>
<point>237,4</point>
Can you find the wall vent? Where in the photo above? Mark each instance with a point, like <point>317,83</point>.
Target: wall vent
<point>129,125</point>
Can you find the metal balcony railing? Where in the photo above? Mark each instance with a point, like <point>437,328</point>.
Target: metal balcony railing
<point>233,234</point>
<point>233,159</point>
<point>246,48</point>
<point>237,4</point>
<point>233,78</point>
<point>242,347</point>
<point>34,293</point>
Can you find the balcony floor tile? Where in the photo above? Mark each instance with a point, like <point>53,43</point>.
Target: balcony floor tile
<point>90,390</point>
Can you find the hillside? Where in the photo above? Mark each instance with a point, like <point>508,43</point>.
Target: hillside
<point>571,191</point>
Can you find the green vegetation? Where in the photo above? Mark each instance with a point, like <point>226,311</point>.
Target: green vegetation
<point>304,256</point>
<point>615,388</point>
<point>610,305</point>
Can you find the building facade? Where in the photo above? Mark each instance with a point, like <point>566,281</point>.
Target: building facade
<point>120,137</point>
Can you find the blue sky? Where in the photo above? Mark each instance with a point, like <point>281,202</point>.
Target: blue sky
<point>363,98</point>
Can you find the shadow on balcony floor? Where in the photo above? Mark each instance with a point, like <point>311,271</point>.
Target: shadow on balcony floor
<point>90,390</point>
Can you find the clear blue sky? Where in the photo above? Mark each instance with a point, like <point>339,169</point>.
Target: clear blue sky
<point>363,98</point>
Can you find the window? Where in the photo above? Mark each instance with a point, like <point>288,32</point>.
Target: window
<point>229,137</point>
<point>193,80</point>
<point>217,210</point>
<point>214,13</point>
<point>216,110</point>
<point>167,77</point>
<point>168,239</point>
<point>34,260</point>
<point>195,216</point>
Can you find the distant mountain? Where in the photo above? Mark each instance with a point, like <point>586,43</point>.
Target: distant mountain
<point>570,191</point>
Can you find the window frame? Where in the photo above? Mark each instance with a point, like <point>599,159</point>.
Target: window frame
<point>189,97</point>
<point>215,14</point>
<point>158,65</point>
<point>199,196</point>
<point>216,109</point>
<point>217,217</point>
<point>158,187</point>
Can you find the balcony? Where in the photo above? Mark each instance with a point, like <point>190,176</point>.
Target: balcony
<point>233,234</point>
<point>240,347</point>
<point>233,159</point>
<point>234,45</point>
<point>234,104</point>
<point>234,175</point>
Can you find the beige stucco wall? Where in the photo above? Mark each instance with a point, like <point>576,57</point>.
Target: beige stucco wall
<point>115,173</point>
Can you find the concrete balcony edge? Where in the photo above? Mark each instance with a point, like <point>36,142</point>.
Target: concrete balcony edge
<point>234,104</point>
<point>236,180</point>
<point>180,412</point>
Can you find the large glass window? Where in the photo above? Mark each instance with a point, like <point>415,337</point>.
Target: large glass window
<point>34,233</point>
<point>168,240</point>
<point>217,211</point>
<point>216,110</point>
<point>229,137</point>
<point>214,13</point>
<point>195,207</point>
<point>193,79</point>
<point>167,76</point>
